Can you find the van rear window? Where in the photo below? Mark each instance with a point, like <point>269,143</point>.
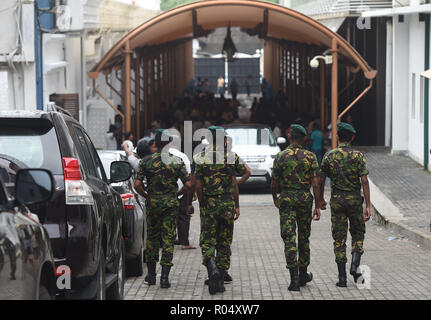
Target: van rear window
<point>30,143</point>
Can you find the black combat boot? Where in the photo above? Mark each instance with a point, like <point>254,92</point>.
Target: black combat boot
<point>304,276</point>
<point>213,276</point>
<point>227,278</point>
<point>356,262</point>
<point>164,278</point>
<point>150,278</point>
<point>342,277</point>
<point>294,279</point>
<point>221,287</point>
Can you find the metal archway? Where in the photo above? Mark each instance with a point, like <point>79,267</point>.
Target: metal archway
<point>268,20</point>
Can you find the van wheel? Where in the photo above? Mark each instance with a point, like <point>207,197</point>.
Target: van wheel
<point>44,293</point>
<point>116,290</point>
<point>101,277</point>
<point>135,267</point>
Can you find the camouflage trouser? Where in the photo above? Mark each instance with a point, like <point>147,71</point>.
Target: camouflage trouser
<point>296,209</point>
<point>347,207</point>
<point>161,229</point>
<point>217,221</point>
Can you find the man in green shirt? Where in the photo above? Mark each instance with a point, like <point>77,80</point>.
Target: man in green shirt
<point>347,170</point>
<point>295,171</point>
<point>214,170</point>
<point>162,171</point>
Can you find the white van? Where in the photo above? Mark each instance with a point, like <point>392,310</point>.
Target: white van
<point>256,145</point>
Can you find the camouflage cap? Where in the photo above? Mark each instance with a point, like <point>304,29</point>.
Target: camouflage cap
<point>298,129</point>
<point>343,126</point>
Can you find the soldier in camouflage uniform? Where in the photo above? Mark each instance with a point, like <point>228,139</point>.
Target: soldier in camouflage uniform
<point>162,171</point>
<point>295,171</point>
<point>214,171</point>
<point>347,170</point>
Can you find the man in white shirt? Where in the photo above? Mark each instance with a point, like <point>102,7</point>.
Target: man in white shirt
<point>185,210</point>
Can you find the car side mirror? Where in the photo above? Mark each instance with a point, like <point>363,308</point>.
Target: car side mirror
<point>33,186</point>
<point>120,171</point>
<point>281,140</point>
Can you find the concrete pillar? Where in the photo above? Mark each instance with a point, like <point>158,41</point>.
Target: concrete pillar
<point>334,92</point>
<point>388,99</point>
<point>400,78</point>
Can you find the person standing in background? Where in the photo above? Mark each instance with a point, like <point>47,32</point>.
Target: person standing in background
<point>185,210</point>
<point>317,137</point>
<point>111,141</point>
<point>234,88</point>
<point>220,85</point>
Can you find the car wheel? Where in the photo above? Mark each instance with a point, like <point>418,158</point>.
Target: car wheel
<point>116,291</point>
<point>101,283</point>
<point>44,293</point>
<point>135,267</point>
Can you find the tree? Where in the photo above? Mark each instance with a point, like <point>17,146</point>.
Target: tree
<point>169,4</point>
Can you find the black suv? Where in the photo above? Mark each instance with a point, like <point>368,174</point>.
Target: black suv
<point>84,216</point>
<point>26,262</point>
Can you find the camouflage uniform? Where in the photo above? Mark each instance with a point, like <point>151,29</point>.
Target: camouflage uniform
<point>218,210</point>
<point>295,168</point>
<point>344,166</point>
<point>162,204</point>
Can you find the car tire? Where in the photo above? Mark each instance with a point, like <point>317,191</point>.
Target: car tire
<point>44,293</point>
<point>101,278</point>
<point>116,290</point>
<point>135,267</point>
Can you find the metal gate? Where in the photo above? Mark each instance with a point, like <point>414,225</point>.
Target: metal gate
<point>245,69</point>
<point>211,69</point>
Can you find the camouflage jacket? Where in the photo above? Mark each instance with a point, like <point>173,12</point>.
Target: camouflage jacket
<point>344,166</point>
<point>162,177</point>
<point>295,168</point>
<point>217,178</point>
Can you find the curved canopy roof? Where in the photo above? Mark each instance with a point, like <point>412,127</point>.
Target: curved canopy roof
<point>282,23</point>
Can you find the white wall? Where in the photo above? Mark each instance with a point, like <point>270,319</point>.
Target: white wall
<point>400,82</point>
<point>146,4</point>
<point>416,67</point>
<point>17,80</point>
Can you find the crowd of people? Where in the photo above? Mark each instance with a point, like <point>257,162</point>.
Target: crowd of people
<point>205,108</point>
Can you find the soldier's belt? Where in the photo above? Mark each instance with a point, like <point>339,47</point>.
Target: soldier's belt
<point>219,196</point>
<point>350,192</point>
<point>291,190</point>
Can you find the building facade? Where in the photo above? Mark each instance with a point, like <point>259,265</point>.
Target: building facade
<point>51,45</point>
<point>408,30</point>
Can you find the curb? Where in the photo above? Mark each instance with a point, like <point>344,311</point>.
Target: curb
<point>388,215</point>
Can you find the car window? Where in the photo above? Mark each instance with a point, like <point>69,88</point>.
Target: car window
<point>98,164</point>
<point>106,162</point>
<point>251,136</point>
<point>81,147</point>
<point>30,143</point>
<point>3,200</point>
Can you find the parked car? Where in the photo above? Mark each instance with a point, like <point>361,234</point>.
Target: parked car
<point>84,216</point>
<point>255,145</point>
<point>27,269</point>
<point>134,219</point>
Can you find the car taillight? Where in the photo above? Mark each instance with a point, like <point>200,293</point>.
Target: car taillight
<point>71,169</point>
<point>77,190</point>
<point>128,201</point>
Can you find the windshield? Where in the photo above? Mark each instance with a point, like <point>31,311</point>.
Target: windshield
<point>30,143</point>
<point>251,136</point>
